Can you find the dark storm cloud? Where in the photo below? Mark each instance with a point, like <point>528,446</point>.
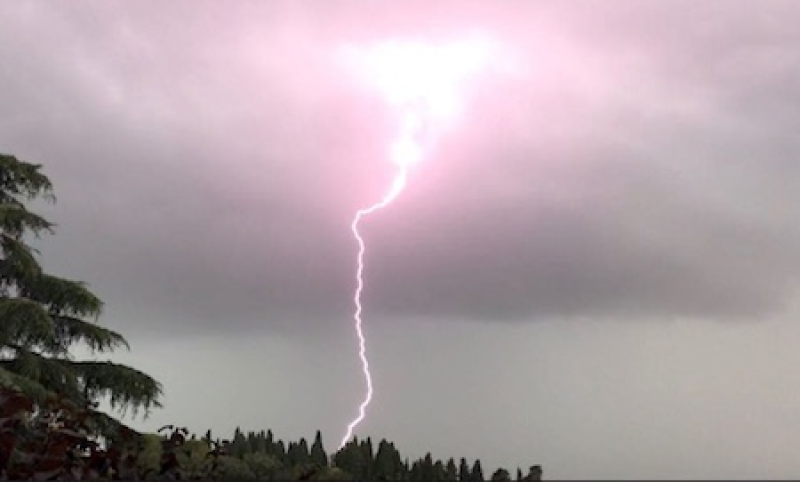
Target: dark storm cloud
<point>208,159</point>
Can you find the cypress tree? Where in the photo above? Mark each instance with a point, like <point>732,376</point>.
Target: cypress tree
<point>238,446</point>
<point>261,443</point>
<point>416,472</point>
<point>397,461</point>
<point>251,442</point>
<point>302,452</point>
<point>427,467</point>
<point>451,471</point>
<point>369,459</point>
<point>350,459</point>
<point>439,473</point>
<point>464,474</point>
<point>384,461</point>
<point>271,446</point>
<point>318,455</point>
<point>477,472</point>
<point>280,451</point>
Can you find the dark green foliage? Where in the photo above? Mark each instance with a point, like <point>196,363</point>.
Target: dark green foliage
<point>368,458</point>
<point>451,470</point>
<point>318,455</point>
<point>417,472</point>
<point>351,459</point>
<point>477,472</point>
<point>297,454</point>
<point>387,462</point>
<point>42,316</point>
<point>464,474</point>
<point>439,472</point>
<point>501,475</point>
<point>427,467</point>
<point>280,451</point>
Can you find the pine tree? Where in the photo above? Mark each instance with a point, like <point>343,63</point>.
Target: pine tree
<point>351,459</point>
<point>416,473</point>
<point>43,315</point>
<point>280,451</point>
<point>451,470</point>
<point>302,452</point>
<point>385,461</point>
<point>261,443</point>
<point>477,472</point>
<point>369,459</point>
<point>251,442</point>
<point>397,462</point>
<point>318,455</point>
<point>427,467</point>
<point>464,474</point>
<point>238,445</point>
<point>292,454</point>
<point>439,473</point>
<point>272,448</point>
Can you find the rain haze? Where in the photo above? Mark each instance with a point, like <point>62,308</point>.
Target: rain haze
<point>595,268</point>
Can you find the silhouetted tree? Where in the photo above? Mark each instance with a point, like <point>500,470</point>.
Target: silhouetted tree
<point>534,473</point>
<point>439,472</point>
<point>416,472</point>
<point>477,472</point>
<point>451,469</point>
<point>386,462</point>
<point>464,474</point>
<point>42,316</point>
<point>368,457</point>
<point>427,467</point>
<point>318,455</point>
<point>501,475</point>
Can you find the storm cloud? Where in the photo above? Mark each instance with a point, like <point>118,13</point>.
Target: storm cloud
<point>629,162</point>
<point>208,160</point>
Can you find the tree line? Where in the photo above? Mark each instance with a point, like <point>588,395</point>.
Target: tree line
<point>259,455</point>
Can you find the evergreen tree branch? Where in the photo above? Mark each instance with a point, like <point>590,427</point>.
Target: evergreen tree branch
<point>23,178</point>
<point>33,389</point>
<point>16,220</point>
<point>63,296</point>
<point>126,387</point>
<point>24,322</point>
<point>70,330</point>
<point>18,263</point>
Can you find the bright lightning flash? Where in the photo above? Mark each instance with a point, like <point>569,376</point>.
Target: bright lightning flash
<point>422,80</point>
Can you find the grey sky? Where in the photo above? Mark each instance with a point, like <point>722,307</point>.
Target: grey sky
<point>610,230</point>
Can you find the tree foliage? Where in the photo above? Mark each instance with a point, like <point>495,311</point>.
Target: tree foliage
<point>43,316</point>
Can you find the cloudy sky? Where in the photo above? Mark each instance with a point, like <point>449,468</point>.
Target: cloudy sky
<point>596,269</point>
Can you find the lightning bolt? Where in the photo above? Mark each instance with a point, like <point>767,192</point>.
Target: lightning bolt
<point>405,152</point>
<point>423,80</point>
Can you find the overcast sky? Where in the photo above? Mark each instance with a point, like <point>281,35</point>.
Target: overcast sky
<point>596,268</point>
